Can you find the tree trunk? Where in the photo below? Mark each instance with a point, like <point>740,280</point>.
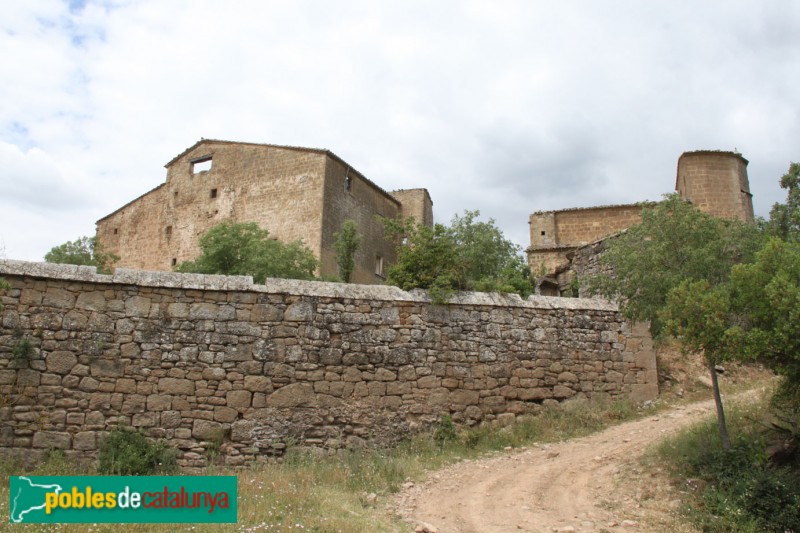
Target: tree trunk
<point>723,427</point>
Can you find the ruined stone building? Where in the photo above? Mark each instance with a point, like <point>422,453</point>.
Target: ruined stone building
<point>715,181</point>
<point>294,193</point>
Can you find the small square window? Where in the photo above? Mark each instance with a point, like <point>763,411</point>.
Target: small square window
<point>201,164</point>
<point>116,230</point>
<point>542,233</point>
<point>213,193</point>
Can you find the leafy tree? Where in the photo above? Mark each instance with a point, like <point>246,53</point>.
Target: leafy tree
<point>765,299</point>
<point>82,251</point>
<point>785,218</point>
<point>699,315</point>
<point>466,256</point>
<point>244,249</point>
<point>673,270</point>
<point>346,243</point>
<point>674,242</point>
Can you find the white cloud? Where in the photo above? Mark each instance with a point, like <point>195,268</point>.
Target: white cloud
<point>507,107</point>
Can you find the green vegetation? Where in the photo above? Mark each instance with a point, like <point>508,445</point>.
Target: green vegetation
<point>127,452</point>
<point>347,491</point>
<point>466,256</point>
<point>738,490</point>
<point>346,243</point>
<point>82,251</point>
<point>244,249</point>
<point>784,219</point>
<point>673,270</point>
<point>675,242</point>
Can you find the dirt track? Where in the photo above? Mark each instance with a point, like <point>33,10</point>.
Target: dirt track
<point>584,484</point>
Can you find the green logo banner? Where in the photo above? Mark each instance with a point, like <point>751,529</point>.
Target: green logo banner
<point>122,499</point>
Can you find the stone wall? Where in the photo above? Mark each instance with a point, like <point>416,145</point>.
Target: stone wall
<point>213,362</point>
<point>294,193</point>
<point>716,182</point>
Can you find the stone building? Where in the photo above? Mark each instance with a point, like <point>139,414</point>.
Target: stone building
<point>715,181</point>
<point>294,193</point>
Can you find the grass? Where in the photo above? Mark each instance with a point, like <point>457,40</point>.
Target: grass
<point>731,491</point>
<point>348,491</point>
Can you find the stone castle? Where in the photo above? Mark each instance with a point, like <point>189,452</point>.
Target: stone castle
<point>294,193</point>
<point>714,181</point>
<point>226,370</point>
<point>306,194</point>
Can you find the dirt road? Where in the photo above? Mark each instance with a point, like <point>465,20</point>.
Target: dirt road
<point>582,485</point>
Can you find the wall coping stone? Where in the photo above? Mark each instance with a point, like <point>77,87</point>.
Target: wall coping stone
<point>325,289</point>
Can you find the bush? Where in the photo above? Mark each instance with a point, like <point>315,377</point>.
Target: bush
<point>126,452</point>
<point>743,491</point>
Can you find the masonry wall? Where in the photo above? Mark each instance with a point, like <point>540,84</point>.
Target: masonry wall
<point>417,204</point>
<point>210,362</point>
<point>279,188</point>
<point>717,183</point>
<point>349,195</point>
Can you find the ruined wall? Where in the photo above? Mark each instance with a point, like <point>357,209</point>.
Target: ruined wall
<point>716,182</point>
<point>554,234</point>
<point>203,360</point>
<point>417,204</point>
<point>349,195</point>
<point>278,188</point>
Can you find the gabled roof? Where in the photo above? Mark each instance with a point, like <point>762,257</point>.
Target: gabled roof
<point>320,151</point>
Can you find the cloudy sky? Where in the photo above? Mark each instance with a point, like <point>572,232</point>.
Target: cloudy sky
<point>502,106</point>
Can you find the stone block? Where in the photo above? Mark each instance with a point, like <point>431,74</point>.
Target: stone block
<point>176,386</point>
<point>110,368</point>
<point>60,362</point>
<point>238,399</point>
<point>225,414</point>
<point>258,384</point>
<point>207,430</point>
<point>170,419</point>
<point>292,395</point>
<point>159,402</point>
<point>52,440</point>
<point>85,441</point>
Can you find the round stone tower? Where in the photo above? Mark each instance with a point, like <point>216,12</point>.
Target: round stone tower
<point>716,182</point>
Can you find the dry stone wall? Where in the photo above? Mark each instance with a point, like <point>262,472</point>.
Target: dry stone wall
<point>213,363</point>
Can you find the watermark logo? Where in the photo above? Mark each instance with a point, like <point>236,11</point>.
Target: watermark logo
<point>122,499</point>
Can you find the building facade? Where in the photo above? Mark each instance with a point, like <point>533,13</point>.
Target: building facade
<point>714,181</point>
<point>295,193</point>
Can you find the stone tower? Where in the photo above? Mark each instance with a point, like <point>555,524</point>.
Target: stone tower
<point>716,182</point>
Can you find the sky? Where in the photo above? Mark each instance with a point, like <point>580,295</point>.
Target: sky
<point>506,107</point>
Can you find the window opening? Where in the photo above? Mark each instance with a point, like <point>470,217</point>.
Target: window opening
<point>201,164</point>
<point>116,230</point>
<point>348,183</point>
<point>213,193</point>
<point>379,266</point>
<point>542,233</point>
<point>168,232</point>
<point>174,261</point>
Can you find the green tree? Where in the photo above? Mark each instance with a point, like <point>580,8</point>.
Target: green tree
<point>466,256</point>
<point>674,242</point>
<point>673,270</point>
<point>765,300</point>
<point>244,249</point>
<point>82,251</point>
<point>346,242</point>
<point>785,218</point>
<point>699,316</point>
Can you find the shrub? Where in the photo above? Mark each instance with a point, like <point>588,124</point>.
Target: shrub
<point>126,452</point>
